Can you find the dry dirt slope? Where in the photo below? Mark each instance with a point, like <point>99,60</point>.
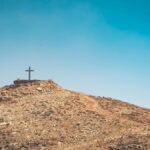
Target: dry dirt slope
<point>43,116</point>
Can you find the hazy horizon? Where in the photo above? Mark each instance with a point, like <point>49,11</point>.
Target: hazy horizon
<point>100,47</point>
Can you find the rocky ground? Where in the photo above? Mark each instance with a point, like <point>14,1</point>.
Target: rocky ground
<point>44,116</point>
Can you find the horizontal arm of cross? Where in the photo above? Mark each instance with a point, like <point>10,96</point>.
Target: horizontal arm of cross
<point>29,70</point>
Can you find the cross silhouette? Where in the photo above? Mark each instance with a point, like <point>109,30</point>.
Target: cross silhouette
<point>29,71</point>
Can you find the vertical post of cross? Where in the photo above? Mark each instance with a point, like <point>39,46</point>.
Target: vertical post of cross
<point>29,73</point>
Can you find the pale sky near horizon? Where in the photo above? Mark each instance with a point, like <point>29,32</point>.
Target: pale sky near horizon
<point>100,47</point>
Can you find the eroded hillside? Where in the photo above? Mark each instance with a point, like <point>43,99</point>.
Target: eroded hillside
<point>44,116</point>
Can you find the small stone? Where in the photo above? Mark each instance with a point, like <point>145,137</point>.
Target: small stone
<point>59,143</point>
<point>39,89</point>
<point>4,124</point>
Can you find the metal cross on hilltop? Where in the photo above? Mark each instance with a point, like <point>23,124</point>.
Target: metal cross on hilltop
<point>29,71</point>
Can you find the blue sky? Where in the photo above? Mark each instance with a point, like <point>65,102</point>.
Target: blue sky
<point>101,47</point>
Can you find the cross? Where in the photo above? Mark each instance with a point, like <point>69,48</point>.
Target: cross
<point>29,71</point>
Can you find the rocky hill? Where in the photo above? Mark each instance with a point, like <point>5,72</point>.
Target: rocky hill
<point>41,115</point>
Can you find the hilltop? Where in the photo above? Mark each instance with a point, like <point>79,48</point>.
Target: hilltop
<point>41,115</point>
